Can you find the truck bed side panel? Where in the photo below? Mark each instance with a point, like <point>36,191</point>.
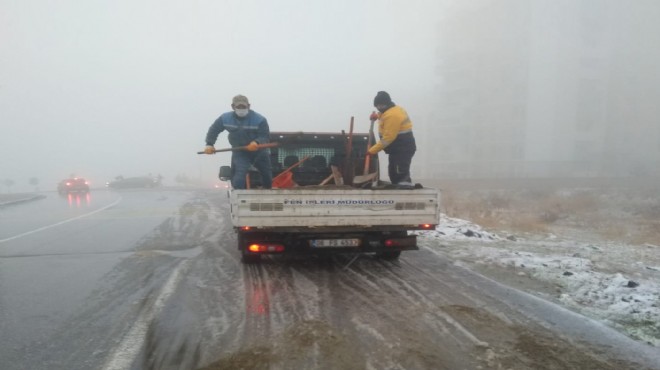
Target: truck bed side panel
<point>334,207</point>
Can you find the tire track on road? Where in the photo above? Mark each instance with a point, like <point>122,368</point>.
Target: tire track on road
<point>125,354</point>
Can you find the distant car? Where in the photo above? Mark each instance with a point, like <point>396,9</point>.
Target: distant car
<point>134,182</point>
<point>221,185</point>
<point>73,185</point>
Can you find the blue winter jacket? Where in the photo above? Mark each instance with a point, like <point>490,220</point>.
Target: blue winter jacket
<point>242,131</point>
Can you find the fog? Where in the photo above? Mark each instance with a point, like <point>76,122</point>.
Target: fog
<point>494,88</point>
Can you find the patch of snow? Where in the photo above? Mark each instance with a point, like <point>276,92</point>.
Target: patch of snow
<point>615,283</point>
<point>457,229</point>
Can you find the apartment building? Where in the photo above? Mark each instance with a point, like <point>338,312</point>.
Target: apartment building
<point>546,88</point>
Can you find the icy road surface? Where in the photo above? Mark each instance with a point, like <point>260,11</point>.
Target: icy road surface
<point>178,297</point>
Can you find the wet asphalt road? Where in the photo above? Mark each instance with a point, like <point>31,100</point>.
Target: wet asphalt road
<point>55,252</point>
<point>152,280</point>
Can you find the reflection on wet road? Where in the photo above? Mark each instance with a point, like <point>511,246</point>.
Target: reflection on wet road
<point>55,252</point>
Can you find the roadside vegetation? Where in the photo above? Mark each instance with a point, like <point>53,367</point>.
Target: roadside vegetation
<point>627,212</point>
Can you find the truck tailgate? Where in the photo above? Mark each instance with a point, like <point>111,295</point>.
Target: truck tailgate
<point>302,207</point>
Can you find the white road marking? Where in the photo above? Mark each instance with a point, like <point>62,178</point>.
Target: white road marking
<point>127,351</point>
<point>59,223</point>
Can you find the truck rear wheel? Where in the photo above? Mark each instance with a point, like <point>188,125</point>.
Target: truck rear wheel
<point>250,258</point>
<point>390,256</point>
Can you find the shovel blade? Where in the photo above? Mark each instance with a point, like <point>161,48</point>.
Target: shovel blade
<point>364,178</point>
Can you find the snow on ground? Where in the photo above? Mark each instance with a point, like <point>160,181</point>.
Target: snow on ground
<point>616,283</point>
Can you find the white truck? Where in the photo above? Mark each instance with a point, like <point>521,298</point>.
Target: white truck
<point>308,218</point>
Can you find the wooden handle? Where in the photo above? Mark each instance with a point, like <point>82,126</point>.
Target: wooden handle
<point>291,167</point>
<point>244,147</point>
<point>367,157</point>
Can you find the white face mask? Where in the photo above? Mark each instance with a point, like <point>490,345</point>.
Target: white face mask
<point>242,112</point>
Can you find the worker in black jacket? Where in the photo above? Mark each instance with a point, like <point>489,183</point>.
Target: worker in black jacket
<point>396,139</point>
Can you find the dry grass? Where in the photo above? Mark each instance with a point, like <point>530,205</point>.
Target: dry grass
<point>648,233</point>
<point>626,215</point>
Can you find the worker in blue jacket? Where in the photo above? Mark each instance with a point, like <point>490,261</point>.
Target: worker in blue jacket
<point>249,129</point>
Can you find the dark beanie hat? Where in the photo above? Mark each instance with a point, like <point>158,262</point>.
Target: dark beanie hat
<point>382,98</point>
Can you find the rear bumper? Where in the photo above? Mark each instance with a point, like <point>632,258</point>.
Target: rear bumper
<point>303,243</point>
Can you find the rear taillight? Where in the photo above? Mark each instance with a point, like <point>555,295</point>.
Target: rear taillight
<point>266,248</point>
<point>68,184</point>
<point>391,243</point>
<point>427,226</point>
<point>245,228</point>
<point>402,242</point>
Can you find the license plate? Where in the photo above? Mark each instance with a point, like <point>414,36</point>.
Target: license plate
<point>329,243</point>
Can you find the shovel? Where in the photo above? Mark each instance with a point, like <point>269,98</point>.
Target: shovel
<point>348,162</point>
<point>361,179</point>
<point>285,178</point>
<point>366,176</point>
<point>259,146</point>
<point>336,175</point>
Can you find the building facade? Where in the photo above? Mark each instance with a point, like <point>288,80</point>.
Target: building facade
<point>546,88</point>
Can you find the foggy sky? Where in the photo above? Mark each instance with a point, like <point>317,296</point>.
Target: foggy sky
<point>493,87</point>
<point>100,89</point>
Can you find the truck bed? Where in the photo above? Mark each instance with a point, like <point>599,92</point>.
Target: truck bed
<point>333,207</point>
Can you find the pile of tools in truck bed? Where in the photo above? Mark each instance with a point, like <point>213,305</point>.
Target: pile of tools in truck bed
<point>339,159</point>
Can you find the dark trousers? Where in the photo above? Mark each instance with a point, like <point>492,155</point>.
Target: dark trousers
<point>399,167</point>
<point>241,162</point>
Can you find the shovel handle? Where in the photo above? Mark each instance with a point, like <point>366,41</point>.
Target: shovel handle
<point>259,146</point>
<point>367,163</point>
<point>367,156</point>
<point>291,167</point>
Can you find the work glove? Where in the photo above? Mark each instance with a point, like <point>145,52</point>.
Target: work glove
<point>371,150</point>
<point>373,116</point>
<point>252,147</point>
<point>210,149</point>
